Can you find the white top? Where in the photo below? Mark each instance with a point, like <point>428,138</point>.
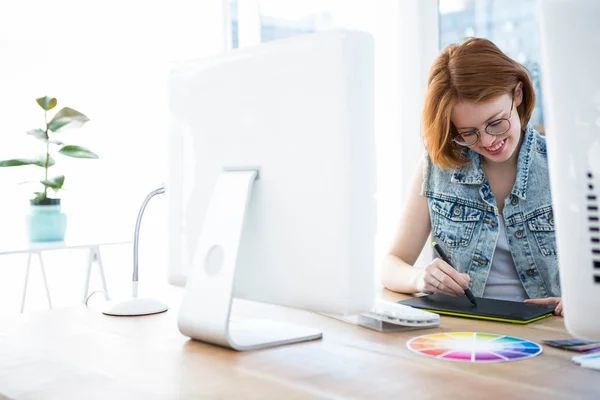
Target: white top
<point>503,281</point>
<point>22,245</point>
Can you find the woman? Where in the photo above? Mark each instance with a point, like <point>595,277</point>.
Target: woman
<point>482,189</point>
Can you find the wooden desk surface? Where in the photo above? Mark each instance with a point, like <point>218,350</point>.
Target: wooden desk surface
<point>78,353</point>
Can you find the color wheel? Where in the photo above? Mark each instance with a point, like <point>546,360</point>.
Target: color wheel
<point>474,347</point>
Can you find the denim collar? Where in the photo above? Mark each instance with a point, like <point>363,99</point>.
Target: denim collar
<point>472,173</point>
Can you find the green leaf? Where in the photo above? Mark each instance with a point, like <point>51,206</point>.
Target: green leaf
<point>57,142</point>
<point>77,152</point>
<point>38,134</point>
<point>39,196</point>
<point>56,126</point>
<point>17,162</point>
<point>67,118</point>
<point>39,161</point>
<point>47,103</point>
<point>54,183</point>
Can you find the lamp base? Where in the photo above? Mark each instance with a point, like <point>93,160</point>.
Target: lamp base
<point>135,307</point>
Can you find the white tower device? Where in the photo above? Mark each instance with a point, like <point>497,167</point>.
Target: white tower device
<point>570,44</point>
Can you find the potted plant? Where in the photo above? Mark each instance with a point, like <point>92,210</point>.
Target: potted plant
<point>47,222</point>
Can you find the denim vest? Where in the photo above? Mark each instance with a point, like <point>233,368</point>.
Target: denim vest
<point>464,218</point>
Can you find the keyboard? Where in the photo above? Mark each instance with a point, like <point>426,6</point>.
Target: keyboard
<point>390,316</point>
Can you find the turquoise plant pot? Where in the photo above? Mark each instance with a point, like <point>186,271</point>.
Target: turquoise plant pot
<point>46,222</point>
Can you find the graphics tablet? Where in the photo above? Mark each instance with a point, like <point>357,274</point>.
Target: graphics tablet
<point>489,309</point>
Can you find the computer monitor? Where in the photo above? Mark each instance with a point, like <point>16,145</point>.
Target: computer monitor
<point>271,185</point>
<point>570,44</point>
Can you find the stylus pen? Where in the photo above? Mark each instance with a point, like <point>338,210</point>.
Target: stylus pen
<point>443,256</point>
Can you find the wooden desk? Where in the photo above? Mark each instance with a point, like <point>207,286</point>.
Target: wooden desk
<point>78,353</point>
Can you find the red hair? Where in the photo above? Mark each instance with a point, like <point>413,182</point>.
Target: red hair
<point>476,72</point>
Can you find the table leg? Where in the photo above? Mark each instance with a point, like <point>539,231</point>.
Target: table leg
<point>43,269</point>
<point>88,273</point>
<point>26,281</point>
<point>98,259</point>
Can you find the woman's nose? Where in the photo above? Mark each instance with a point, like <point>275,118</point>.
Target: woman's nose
<point>487,140</point>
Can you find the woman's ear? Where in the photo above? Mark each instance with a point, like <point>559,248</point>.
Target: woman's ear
<point>518,94</point>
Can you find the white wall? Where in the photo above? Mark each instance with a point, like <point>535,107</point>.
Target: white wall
<point>110,60</point>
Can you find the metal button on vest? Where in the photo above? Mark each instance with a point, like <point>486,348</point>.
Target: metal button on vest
<point>514,201</point>
<point>519,234</point>
<point>530,272</point>
<point>457,211</point>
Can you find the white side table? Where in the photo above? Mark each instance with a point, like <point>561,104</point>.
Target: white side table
<point>31,249</point>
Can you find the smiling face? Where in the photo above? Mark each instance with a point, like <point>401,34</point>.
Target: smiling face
<point>469,117</point>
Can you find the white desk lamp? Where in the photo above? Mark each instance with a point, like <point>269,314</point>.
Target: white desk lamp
<point>138,306</point>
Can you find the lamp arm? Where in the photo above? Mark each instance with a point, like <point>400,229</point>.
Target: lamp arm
<point>136,236</point>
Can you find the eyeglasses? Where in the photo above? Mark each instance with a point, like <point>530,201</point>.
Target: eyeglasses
<point>494,128</point>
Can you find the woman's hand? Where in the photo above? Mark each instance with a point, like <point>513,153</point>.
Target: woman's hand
<point>439,277</point>
<point>550,301</point>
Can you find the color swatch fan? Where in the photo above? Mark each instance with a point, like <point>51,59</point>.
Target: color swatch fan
<point>474,347</point>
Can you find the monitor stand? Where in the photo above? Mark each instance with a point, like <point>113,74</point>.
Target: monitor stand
<point>206,305</point>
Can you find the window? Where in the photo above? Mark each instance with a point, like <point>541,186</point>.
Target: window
<point>510,24</point>
<point>234,18</point>
<point>282,19</point>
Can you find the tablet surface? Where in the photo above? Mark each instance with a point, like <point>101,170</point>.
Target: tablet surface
<point>490,309</point>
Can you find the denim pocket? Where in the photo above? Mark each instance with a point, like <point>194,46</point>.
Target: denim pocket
<point>542,227</point>
<point>453,222</point>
